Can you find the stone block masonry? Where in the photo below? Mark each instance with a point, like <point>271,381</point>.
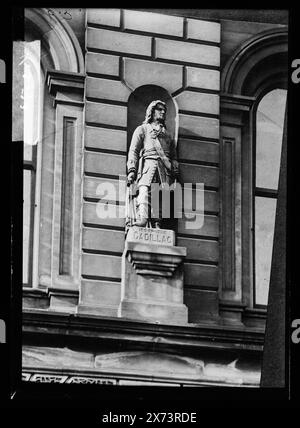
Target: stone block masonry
<point>153,23</point>
<point>109,40</point>
<point>188,52</point>
<point>125,50</point>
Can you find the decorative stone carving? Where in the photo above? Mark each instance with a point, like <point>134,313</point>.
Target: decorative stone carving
<point>91,380</point>
<point>152,277</point>
<point>46,378</point>
<point>151,259</point>
<point>145,235</point>
<point>25,377</point>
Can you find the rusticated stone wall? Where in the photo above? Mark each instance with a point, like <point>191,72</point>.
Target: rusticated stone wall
<point>125,50</point>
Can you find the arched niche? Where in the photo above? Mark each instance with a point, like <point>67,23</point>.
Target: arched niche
<point>259,64</point>
<point>138,103</point>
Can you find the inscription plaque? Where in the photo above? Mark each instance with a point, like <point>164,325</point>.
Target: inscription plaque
<point>151,236</point>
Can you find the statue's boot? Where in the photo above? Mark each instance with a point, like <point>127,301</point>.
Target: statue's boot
<point>141,223</point>
<point>156,224</point>
<point>143,215</point>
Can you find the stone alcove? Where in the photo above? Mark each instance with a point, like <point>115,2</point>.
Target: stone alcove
<point>138,102</point>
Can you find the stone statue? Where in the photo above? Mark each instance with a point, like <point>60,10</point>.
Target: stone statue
<point>151,159</point>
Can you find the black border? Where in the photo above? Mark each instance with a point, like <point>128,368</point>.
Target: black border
<point>14,394</point>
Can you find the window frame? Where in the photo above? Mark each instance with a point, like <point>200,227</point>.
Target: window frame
<point>30,166</point>
<point>35,166</point>
<point>260,191</point>
<point>258,65</point>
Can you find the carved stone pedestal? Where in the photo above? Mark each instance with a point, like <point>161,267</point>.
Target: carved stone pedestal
<point>152,277</point>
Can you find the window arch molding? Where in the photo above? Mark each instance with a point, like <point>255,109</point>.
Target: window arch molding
<point>261,52</point>
<point>255,68</point>
<point>62,48</point>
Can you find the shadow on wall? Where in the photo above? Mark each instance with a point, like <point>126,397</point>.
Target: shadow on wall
<point>138,103</point>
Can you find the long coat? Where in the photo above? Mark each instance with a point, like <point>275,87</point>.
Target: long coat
<point>144,160</point>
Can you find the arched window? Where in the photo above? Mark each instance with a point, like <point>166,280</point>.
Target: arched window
<point>254,83</point>
<point>268,142</point>
<point>32,131</point>
<point>51,121</point>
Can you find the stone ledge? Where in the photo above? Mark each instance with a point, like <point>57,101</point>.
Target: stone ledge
<point>136,367</point>
<point>96,328</point>
<point>255,317</point>
<point>56,299</point>
<point>232,305</point>
<point>236,102</point>
<point>64,81</point>
<point>256,312</point>
<point>35,300</point>
<point>150,259</point>
<point>103,310</point>
<point>34,292</point>
<point>63,299</point>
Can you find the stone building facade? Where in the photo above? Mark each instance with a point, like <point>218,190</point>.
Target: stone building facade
<point>99,69</point>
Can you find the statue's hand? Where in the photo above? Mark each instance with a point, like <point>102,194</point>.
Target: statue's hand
<point>130,178</point>
<point>175,170</point>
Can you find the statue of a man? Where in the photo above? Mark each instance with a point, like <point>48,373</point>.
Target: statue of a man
<point>151,159</point>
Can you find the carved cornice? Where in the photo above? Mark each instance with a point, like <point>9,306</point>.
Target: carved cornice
<point>41,297</point>
<point>232,305</point>
<point>63,81</point>
<point>42,375</point>
<point>258,313</point>
<point>236,102</point>
<point>34,292</point>
<point>62,292</point>
<point>153,259</point>
<point>175,370</point>
<point>45,293</point>
<point>191,337</point>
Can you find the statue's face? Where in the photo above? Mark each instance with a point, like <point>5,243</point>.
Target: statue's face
<point>160,113</point>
